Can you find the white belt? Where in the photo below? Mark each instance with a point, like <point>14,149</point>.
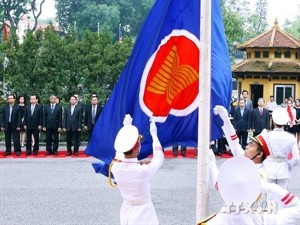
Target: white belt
<point>277,159</point>
<point>137,202</point>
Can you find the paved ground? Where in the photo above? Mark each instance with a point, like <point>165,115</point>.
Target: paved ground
<point>68,192</point>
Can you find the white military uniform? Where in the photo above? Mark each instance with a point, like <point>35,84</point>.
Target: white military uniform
<point>245,189</point>
<point>289,215</point>
<point>277,165</point>
<point>133,180</point>
<point>235,147</point>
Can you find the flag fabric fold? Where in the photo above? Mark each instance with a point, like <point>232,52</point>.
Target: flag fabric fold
<point>5,31</point>
<point>161,79</point>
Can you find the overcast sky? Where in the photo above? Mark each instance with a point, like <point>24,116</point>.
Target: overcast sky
<point>281,9</point>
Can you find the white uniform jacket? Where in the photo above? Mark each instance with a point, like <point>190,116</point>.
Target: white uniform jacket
<point>289,215</point>
<point>282,143</point>
<point>133,179</point>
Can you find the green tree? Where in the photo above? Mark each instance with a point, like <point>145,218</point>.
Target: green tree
<point>13,11</point>
<point>88,13</point>
<point>293,27</point>
<point>233,24</point>
<point>256,23</point>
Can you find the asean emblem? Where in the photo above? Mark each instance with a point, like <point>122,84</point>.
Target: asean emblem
<point>170,80</point>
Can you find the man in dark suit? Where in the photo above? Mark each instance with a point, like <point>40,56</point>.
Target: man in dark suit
<point>33,120</point>
<point>11,125</point>
<point>260,118</point>
<point>72,124</point>
<point>92,113</point>
<point>242,122</point>
<point>52,124</point>
<point>248,102</point>
<point>80,104</point>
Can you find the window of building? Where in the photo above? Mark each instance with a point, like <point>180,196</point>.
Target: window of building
<point>265,54</point>
<point>297,55</point>
<point>277,54</point>
<point>234,84</point>
<point>282,91</point>
<point>248,55</point>
<point>287,55</point>
<point>257,54</point>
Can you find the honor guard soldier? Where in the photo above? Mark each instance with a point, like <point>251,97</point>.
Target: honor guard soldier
<point>240,193</point>
<point>133,177</point>
<point>257,149</point>
<point>282,145</point>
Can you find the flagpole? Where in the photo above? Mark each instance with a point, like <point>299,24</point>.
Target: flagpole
<point>204,110</point>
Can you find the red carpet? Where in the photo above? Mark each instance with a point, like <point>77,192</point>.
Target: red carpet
<point>190,153</point>
<point>42,154</point>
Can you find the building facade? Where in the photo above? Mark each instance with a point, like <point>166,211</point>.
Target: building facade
<point>271,67</point>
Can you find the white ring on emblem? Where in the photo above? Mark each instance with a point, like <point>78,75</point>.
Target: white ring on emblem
<point>183,112</point>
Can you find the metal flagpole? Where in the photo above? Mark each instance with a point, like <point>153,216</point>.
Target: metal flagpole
<point>204,109</point>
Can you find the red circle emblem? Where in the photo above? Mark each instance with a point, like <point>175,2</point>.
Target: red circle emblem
<point>173,78</point>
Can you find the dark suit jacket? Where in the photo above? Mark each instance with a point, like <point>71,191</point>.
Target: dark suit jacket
<point>52,120</point>
<point>242,123</point>
<point>249,105</point>
<point>34,120</point>
<point>16,119</point>
<point>88,115</point>
<point>73,122</point>
<point>260,122</point>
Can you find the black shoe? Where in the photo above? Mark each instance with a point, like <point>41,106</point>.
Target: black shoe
<point>6,153</point>
<point>76,153</point>
<point>48,153</point>
<point>28,153</point>
<point>219,153</point>
<point>18,153</point>
<point>55,153</point>
<point>183,153</point>
<point>35,153</point>
<point>69,153</point>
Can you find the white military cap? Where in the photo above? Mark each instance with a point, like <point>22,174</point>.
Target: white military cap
<point>126,138</point>
<point>280,116</point>
<point>239,181</point>
<point>264,140</point>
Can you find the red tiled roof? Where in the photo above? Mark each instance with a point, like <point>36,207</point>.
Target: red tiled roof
<point>268,66</point>
<point>273,38</point>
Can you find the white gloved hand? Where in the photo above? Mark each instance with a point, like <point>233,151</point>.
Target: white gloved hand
<point>127,120</point>
<point>153,128</point>
<point>222,112</point>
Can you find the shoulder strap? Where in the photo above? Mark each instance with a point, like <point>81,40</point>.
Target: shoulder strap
<point>205,220</point>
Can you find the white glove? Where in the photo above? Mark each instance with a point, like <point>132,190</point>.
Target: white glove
<point>127,120</point>
<point>153,132</point>
<point>222,112</point>
<point>153,128</point>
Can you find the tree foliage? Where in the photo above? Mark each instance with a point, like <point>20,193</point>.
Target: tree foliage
<point>87,14</point>
<point>45,63</point>
<point>293,27</point>
<point>13,11</point>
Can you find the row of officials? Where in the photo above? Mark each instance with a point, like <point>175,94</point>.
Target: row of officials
<point>52,118</point>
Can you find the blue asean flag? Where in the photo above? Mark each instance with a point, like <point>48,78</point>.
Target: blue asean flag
<point>161,79</point>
